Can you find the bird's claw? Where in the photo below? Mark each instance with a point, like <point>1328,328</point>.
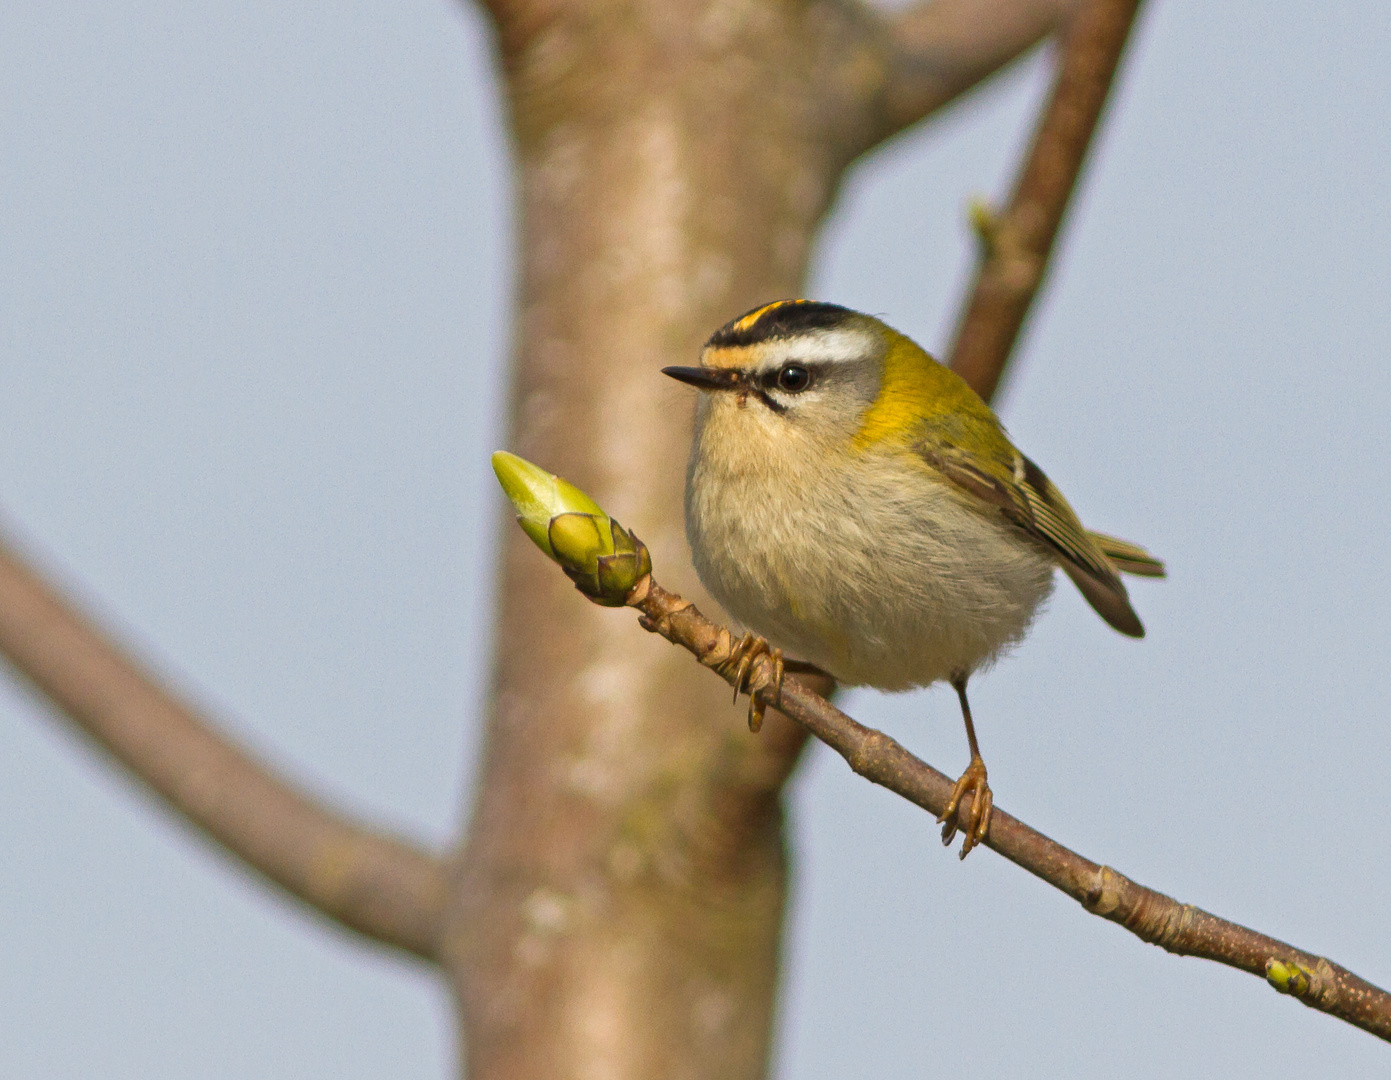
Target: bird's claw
<point>982,803</point>
<point>739,665</point>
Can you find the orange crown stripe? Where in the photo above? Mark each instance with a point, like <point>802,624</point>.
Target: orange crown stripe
<point>748,321</point>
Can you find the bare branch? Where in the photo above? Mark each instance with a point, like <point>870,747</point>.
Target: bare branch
<point>1017,242</point>
<point>379,886</point>
<point>1179,928</point>
<point>940,49</point>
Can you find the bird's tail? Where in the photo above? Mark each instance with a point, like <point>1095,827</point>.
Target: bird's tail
<point>1126,557</point>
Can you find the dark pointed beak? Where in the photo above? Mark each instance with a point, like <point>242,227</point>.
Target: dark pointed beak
<point>704,378</point>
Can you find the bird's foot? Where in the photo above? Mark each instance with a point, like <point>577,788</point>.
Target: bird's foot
<point>982,802</point>
<point>739,666</point>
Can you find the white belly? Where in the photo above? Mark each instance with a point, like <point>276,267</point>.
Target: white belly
<point>889,579</point>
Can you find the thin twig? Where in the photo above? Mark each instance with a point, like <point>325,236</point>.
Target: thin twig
<point>1017,241</point>
<point>1179,928</point>
<point>378,885</point>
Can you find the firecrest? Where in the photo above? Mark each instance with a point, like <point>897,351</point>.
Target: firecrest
<point>856,504</point>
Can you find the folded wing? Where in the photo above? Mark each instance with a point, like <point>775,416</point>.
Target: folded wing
<point>1020,490</point>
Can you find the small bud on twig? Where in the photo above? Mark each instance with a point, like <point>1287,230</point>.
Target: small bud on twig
<point>985,223</point>
<point>1288,978</point>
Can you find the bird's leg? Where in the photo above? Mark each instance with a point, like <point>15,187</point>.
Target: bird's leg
<point>973,781</point>
<point>740,664</point>
<point>804,667</point>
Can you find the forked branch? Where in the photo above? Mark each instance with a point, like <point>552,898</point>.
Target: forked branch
<point>378,885</point>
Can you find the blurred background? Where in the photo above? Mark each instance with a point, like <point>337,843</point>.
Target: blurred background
<point>254,277</point>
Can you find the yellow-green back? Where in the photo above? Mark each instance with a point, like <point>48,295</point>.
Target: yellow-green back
<point>930,413</point>
<point>919,394</point>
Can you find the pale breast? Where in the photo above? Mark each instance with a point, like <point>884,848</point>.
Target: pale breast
<point>876,571</point>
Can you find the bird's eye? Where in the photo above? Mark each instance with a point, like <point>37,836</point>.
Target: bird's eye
<point>793,378</point>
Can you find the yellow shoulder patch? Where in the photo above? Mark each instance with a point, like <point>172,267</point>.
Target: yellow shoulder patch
<point>915,388</point>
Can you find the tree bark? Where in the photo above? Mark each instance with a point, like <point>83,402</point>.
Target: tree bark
<point>622,890</point>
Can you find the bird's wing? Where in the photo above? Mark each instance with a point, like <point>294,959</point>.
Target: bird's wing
<point>1128,558</point>
<point>1006,479</point>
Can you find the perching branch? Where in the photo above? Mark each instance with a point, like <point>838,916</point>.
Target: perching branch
<point>611,567</point>
<point>1151,916</point>
<point>375,884</point>
<point>1017,241</point>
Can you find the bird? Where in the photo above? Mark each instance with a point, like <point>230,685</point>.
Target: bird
<point>856,506</point>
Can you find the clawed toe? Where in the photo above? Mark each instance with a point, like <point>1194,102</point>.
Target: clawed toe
<point>973,780</point>
<point>740,663</point>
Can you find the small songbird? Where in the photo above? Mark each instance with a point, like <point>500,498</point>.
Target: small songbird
<point>856,505</point>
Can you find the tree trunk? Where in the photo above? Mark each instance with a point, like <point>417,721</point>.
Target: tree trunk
<point>621,896</point>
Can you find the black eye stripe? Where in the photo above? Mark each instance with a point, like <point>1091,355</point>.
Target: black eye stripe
<point>776,406</point>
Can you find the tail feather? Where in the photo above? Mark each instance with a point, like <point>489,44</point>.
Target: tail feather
<point>1107,598</point>
<point>1128,558</point>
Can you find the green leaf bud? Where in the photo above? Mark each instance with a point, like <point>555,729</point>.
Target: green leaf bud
<point>602,558</point>
<point>539,496</point>
<point>580,540</point>
<point>1291,978</point>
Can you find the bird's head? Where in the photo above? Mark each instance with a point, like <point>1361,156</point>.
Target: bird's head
<point>793,365</point>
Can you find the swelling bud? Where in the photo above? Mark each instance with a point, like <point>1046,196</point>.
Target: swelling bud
<point>602,558</point>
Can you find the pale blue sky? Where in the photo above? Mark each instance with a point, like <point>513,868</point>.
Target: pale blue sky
<point>254,275</point>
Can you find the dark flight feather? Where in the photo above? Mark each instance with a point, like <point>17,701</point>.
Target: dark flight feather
<point>1025,495</point>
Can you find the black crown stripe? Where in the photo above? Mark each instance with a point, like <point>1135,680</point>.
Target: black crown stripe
<point>781,319</point>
